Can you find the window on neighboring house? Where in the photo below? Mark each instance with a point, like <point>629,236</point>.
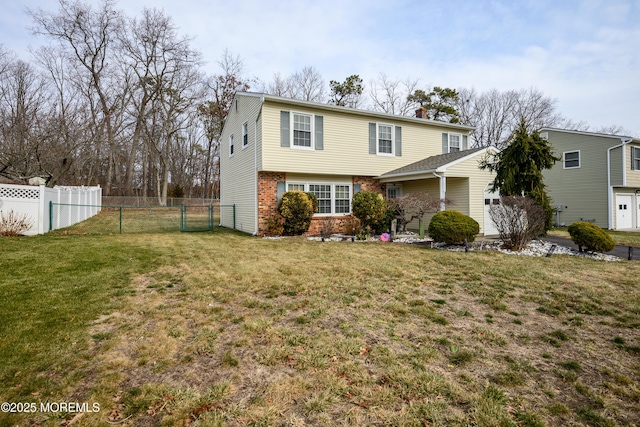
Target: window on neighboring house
<point>571,159</point>
<point>385,139</point>
<point>301,130</point>
<point>394,191</point>
<point>454,142</point>
<point>635,158</point>
<point>231,145</point>
<point>245,134</point>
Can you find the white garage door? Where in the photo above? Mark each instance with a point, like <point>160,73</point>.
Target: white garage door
<point>623,211</point>
<point>490,198</point>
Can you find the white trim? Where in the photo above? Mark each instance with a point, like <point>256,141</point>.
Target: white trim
<point>393,140</point>
<point>232,148</point>
<point>459,147</point>
<point>245,133</point>
<point>312,141</point>
<point>332,185</point>
<point>564,160</point>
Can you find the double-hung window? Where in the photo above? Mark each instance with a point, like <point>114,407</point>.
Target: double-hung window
<point>571,159</point>
<point>323,193</point>
<point>245,134</point>
<point>333,199</point>
<point>635,158</point>
<point>454,142</point>
<point>231,145</point>
<point>385,139</point>
<point>301,130</point>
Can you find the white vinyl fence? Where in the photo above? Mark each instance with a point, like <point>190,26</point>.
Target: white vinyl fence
<point>70,205</point>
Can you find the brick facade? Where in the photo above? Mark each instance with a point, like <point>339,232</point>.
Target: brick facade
<point>268,197</point>
<point>268,204</point>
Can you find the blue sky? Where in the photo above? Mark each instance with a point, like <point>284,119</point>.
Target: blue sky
<point>586,54</point>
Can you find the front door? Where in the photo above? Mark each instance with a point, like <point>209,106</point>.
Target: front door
<point>624,206</point>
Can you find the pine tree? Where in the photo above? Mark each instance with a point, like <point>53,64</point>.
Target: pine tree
<point>519,167</point>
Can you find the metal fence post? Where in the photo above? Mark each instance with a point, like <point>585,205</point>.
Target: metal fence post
<point>50,215</point>
<point>211,226</point>
<point>234,216</point>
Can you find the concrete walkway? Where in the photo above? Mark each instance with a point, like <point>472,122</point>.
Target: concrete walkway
<point>619,251</point>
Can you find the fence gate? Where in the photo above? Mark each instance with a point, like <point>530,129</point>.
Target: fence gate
<point>196,218</point>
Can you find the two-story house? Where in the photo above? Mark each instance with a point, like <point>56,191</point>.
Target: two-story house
<point>271,144</point>
<point>596,180</point>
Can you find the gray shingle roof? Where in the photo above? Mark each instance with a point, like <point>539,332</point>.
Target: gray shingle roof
<point>431,163</point>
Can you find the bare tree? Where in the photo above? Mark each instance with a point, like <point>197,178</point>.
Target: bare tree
<point>306,85</point>
<point>89,36</point>
<point>391,96</point>
<point>222,89</point>
<point>518,220</point>
<point>415,205</point>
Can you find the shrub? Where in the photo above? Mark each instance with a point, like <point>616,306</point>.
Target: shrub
<point>14,224</point>
<point>592,237</point>
<point>452,227</point>
<point>275,225</point>
<point>371,209</point>
<point>519,220</point>
<point>314,201</point>
<point>297,211</point>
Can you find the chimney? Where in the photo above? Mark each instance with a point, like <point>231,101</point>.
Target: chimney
<point>422,113</point>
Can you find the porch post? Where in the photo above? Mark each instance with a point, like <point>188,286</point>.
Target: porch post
<point>443,190</point>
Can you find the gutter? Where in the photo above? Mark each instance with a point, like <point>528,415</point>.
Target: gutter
<point>624,142</point>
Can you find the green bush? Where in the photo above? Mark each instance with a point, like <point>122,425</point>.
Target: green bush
<point>297,211</point>
<point>371,209</point>
<point>591,237</point>
<point>452,227</point>
<point>314,201</point>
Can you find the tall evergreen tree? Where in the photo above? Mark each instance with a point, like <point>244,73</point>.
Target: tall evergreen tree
<point>519,167</point>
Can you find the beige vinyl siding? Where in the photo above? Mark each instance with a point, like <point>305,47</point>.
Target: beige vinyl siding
<point>633,176</point>
<point>346,143</point>
<point>431,186</point>
<point>237,173</point>
<point>476,183</point>
<point>583,191</point>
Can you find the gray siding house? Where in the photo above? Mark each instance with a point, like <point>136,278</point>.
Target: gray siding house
<point>597,179</point>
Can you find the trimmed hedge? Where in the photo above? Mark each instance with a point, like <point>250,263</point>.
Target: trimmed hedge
<point>371,209</point>
<point>591,237</point>
<point>452,227</point>
<point>297,211</point>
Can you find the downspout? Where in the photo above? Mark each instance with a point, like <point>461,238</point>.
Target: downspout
<point>443,189</point>
<point>624,177</point>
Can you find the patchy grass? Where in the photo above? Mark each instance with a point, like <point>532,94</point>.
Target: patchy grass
<point>225,329</point>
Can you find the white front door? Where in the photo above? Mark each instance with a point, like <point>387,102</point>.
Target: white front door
<point>490,198</point>
<point>624,209</point>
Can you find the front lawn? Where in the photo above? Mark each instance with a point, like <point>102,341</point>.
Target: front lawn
<point>206,329</point>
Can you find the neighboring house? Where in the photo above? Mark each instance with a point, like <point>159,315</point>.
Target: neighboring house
<point>597,179</point>
<point>270,145</point>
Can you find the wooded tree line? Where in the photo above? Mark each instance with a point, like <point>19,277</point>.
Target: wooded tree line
<point>124,103</point>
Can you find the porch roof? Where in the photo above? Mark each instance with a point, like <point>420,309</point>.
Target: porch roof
<point>432,164</point>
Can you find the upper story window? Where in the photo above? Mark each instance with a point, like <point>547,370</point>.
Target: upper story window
<point>635,158</point>
<point>571,159</point>
<point>454,142</point>
<point>385,139</point>
<point>245,134</point>
<point>301,130</point>
<point>231,145</point>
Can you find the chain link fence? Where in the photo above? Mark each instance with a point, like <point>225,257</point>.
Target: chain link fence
<point>134,219</point>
